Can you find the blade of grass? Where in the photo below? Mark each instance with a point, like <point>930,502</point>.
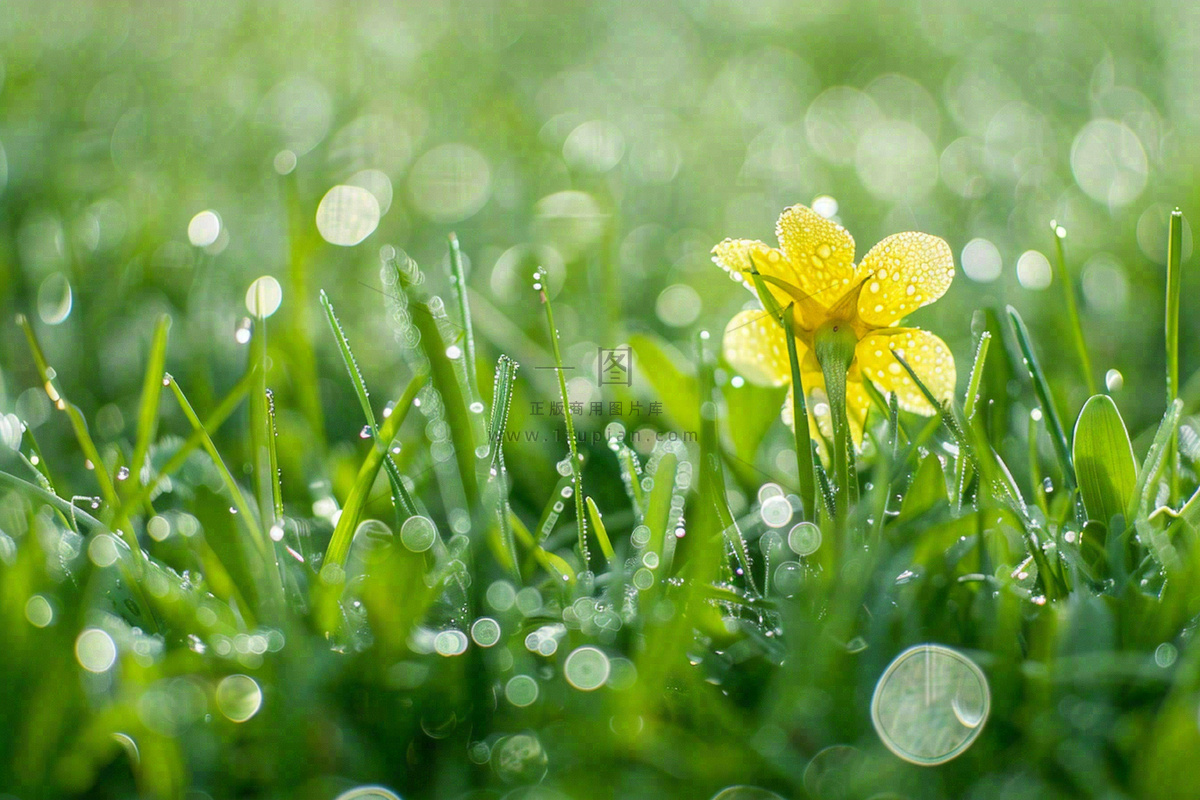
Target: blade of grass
<point>576,472</point>
<point>273,594</point>
<point>601,532</point>
<point>261,434</point>
<point>343,532</point>
<point>1174,284</point>
<point>502,394</point>
<point>1041,387</point>
<point>1068,287</point>
<point>218,416</point>
<point>70,511</point>
<point>79,425</point>
<point>426,317</point>
<point>458,277</point>
<point>554,564</point>
<point>405,507</point>
<point>273,461</point>
<point>147,425</point>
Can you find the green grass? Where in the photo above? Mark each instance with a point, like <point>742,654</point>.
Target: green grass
<point>347,543</point>
<point>716,639</point>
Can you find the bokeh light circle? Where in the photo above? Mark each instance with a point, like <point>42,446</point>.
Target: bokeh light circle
<point>450,183</point>
<point>347,215</point>
<point>239,697</point>
<point>264,296</point>
<point>930,704</point>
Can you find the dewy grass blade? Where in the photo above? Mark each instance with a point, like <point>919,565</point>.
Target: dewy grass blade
<point>262,544</point>
<point>261,434</point>
<point>972,397</point>
<point>1041,387</point>
<point>708,415</point>
<point>343,532</point>
<point>405,507</point>
<point>152,384</point>
<point>576,471</point>
<point>360,386</point>
<point>273,461</point>
<point>834,347</point>
<point>1174,283</point>
<point>79,426</point>
<point>1068,287</point>
<point>458,277</point>
<point>502,394</point>
<point>601,531</point>
<point>466,361</point>
<point>961,461</point>
<point>218,416</point>
<point>70,511</point>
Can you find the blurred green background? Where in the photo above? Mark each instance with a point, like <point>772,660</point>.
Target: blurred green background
<point>613,143</point>
<point>160,157</point>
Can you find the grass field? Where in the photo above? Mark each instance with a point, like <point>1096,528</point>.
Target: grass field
<point>379,419</point>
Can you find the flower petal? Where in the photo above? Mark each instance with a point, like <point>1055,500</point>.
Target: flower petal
<point>907,271</point>
<point>927,354</point>
<point>821,252</point>
<point>739,257</point>
<point>756,346</point>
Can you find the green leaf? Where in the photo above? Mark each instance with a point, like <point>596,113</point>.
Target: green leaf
<point>1104,464</point>
<point>927,490</point>
<point>677,389</point>
<point>601,531</point>
<point>752,410</point>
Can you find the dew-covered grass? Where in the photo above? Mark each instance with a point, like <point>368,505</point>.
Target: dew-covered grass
<point>373,424</point>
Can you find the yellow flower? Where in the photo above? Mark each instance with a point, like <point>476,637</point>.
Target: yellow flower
<point>813,270</point>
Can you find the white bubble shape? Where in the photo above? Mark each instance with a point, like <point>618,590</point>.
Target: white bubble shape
<point>238,697</point>
<point>450,183</point>
<point>204,228</point>
<point>981,261</point>
<point>347,214</point>
<point>586,668</point>
<point>804,539</point>
<point>1109,162</point>
<point>485,631</point>
<point>776,511</point>
<point>368,793</point>
<point>930,704</point>
<point>55,299</point>
<point>95,650</point>
<point>264,296</point>
<point>418,534</point>
<point>450,643</point>
<point>1033,270</point>
<point>38,611</point>
<point>521,690</point>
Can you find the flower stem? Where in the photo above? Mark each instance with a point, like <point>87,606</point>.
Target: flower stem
<point>834,346</point>
<point>805,476</point>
